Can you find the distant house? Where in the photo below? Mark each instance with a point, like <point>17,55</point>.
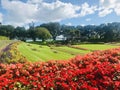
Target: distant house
<point>60,37</point>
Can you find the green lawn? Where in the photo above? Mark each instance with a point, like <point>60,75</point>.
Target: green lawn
<point>71,50</point>
<point>35,52</point>
<point>97,46</point>
<point>42,53</point>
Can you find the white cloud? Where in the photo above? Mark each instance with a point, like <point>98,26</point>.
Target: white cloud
<point>105,12</point>
<point>18,13</point>
<point>108,6</point>
<point>82,25</point>
<point>21,13</point>
<point>69,24</point>
<point>34,1</point>
<point>1,17</point>
<point>86,9</point>
<point>117,9</point>
<point>88,19</point>
<point>56,11</point>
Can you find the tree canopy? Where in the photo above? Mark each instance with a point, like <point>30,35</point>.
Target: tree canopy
<point>42,33</point>
<point>54,28</point>
<point>109,32</point>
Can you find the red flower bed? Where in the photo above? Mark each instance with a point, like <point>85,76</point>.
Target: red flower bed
<point>96,71</point>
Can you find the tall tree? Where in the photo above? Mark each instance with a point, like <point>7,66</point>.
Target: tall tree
<point>42,33</point>
<point>32,34</point>
<point>7,30</point>
<point>20,33</point>
<point>53,27</point>
<point>71,33</point>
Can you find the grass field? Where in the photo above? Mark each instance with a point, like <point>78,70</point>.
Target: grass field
<point>71,50</point>
<point>97,46</point>
<point>42,53</point>
<point>35,52</point>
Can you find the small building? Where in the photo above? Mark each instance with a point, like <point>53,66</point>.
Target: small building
<point>60,37</point>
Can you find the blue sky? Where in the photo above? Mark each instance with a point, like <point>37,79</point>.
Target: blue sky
<point>69,12</point>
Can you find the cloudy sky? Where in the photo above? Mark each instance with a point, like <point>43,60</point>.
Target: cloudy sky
<point>69,12</point>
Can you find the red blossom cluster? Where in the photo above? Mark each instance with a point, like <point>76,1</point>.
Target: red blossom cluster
<point>99,70</point>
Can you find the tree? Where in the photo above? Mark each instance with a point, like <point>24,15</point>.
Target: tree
<point>20,33</point>
<point>53,27</point>
<point>7,30</point>
<point>71,33</point>
<point>32,34</point>
<point>42,33</point>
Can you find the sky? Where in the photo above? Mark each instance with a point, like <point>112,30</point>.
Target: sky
<point>68,12</point>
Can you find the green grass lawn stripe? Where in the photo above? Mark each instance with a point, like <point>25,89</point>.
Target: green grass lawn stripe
<point>35,52</point>
<point>47,53</point>
<point>71,50</point>
<point>42,54</point>
<point>27,52</point>
<point>96,46</point>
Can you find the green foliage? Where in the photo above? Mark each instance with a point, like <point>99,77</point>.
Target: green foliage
<point>10,54</point>
<point>32,33</point>
<point>53,27</point>
<point>109,32</point>
<point>4,38</point>
<point>7,30</point>
<point>4,43</point>
<point>43,33</point>
<point>20,33</point>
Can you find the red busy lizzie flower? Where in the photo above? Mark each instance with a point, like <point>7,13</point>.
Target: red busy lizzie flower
<point>17,73</point>
<point>99,70</point>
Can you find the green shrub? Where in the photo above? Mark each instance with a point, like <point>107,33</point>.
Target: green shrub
<point>4,38</point>
<point>11,54</point>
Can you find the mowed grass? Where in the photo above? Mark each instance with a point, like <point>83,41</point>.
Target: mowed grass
<point>35,52</point>
<point>71,50</point>
<point>97,46</point>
